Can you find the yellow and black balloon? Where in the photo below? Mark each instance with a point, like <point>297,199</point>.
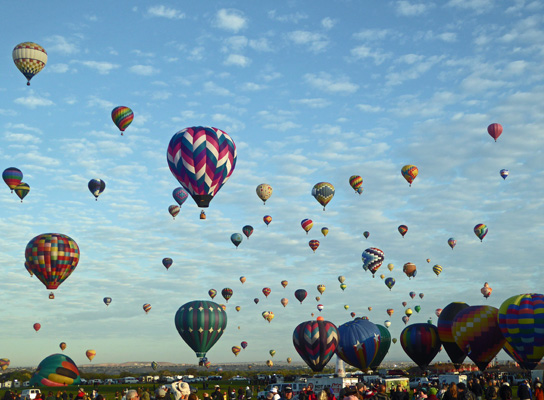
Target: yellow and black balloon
<point>56,370</point>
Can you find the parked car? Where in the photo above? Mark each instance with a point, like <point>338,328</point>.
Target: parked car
<point>417,382</point>
<point>29,394</point>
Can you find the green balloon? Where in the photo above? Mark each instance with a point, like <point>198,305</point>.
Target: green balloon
<point>417,308</point>
<point>56,370</point>
<point>383,349</point>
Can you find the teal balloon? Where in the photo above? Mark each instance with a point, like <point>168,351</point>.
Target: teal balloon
<point>383,348</point>
<point>56,370</point>
<point>201,324</point>
<point>236,239</point>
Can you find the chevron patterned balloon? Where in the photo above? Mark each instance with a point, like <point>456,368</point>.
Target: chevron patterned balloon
<point>202,159</point>
<point>476,331</point>
<point>323,193</point>
<point>521,320</point>
<point>372,259</point>
<point>358,344</point>
<point>315,342</point>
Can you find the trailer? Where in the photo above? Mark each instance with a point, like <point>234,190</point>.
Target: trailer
<point>336,384</point>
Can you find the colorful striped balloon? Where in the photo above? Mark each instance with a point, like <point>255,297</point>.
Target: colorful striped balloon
<point>356,182</point>
<point>445,324</point>
<point>146,307</point>
<point>122,117</point>
<point>323,193</point>
<point>480,230</point>
<point>383,348</point>
<point>521,320</point>
<point>30,58</point>
<point>372,259</point>
<point>358,343</point>
<point>202,159</point>
<point>307,224</point>
<point>437,269</point>
<point>316,342</point>
<point>174,210</point>
<point>409,172</point>
<point>421,343</point>
<point>476,331</point>
<point>13,177</point>
<point>21,190</point>
<point>52,257</point>
<point>314,244</point>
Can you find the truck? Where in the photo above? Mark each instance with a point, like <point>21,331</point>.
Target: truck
<point>391,382</point>
<point>452,378</point>
<point>335,383</point>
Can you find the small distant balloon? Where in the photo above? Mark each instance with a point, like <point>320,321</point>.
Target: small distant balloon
<point>390,267</point>
<point>284,283</point>
<point>180,195</point>
<point>409,172</point>
<point>29,58</point>
<point>226,293</point>
<point>452,242</point>
<point>341,279</point>
<point>146,307</point>
<point>366,234</point>
<point>243,279</point>
<point>248,230</point>
<point>12,177</point>
<point>266,291</point>
<point>494,130</point>
<point>403,229</point>
<point>321,288</point>
<point>174,210</point>
<point>267,219</point>
<point>410,269</point>
<point>480,230</point>
<point>356,182</point>
<point>62,346</point>
<point>107,301</point>
<point>307,224</point>
<point>325,231</point>
<point>212,293</point>
<point>122,117</point>
<point>90,354</point>
<point>314,244</point>
<point>264,191</point>
<point>167,262</point>
<point>21,190</point>
<point>301,294</point>
<point>390,282</point>
<point>486,290</point>
<point>323,193</point>
<point>504,173</point>
<point>437,269</point>
<point>236,239</point>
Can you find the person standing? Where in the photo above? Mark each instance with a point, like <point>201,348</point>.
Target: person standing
<point>524,392</point>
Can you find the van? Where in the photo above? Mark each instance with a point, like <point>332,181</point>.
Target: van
<point>130,379</point>
<point>29,394</point>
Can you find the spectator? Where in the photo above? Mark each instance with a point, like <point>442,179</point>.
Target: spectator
<point>382,393</point>
<point>539,393</point>
<point>505,392</point>
<point>350,393</point>
<point>451,393</point>
<point>463,393</point>
<point>217,395</point>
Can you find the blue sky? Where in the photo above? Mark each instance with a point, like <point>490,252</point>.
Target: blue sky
<point>308,94</point>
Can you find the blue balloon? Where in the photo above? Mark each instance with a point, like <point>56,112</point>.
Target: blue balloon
<point>358,344</point>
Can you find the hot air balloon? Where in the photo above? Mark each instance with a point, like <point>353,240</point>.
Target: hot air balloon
<point>167,262</point>
<point>480,230</point>
<point>243,344</point>
<point>107,301</point>
<point>343,286</point>
<point>421,343</point>
<point>372,259</point>
<point>346,306</point>
<point>390,267</point>
<point>307,224</point>
<point>212,293</point>
<point>154,365</point>
<point>266,291</point>
<point>341,279</point>
<point>62,346</point>
<point>390,311</point>
<point>202,159</point>
<point>180,195</point>
<point>236,350</point>
<point>403,229</point>
<point>387,323</point>
<point>30,58</point>
<point>358,343</point>
<point>383,348</point>
<point>256,300</point>
<point>408,312</point>
<point>122,117</point>
<point>369,308</point>
<point>200,324</point>
<point>486,290</point>
<point>437,312</point>
<point>323,193</point>
<point>54,371</point>
<point>421,295</point>
<point>412,294</point>
<point>314,244</point>
<point>494,130</point>
<point>390,282</point>
<point>352,314</point>
<point>409,172</point>
<point>146,307</point>
<point>226,293</point>
<point>366,234</point>
<point>504,173</point>
<point>405,319</point>
<point>445,324</point>
<point>236,239</point>
<point>267,219</point>
<point>264,191</point>
<point>520,321</point>
<point>300,294</point>
<point>409,269</point>
<point>90,354</point>
<point>382,276</point>
<point>21,190</point>
<point>284,283</point>
<point>321,288</point>
<point>452,242</point>
<point>428,260</point>
<point>508,349</point>
<point>237,308</point>
<point>269,363</point>
<point>325,231</point>
<point>476,331</point>
<point>316,342</point>
<point>52,257</point>
<point>174,210</point>
<point>437,269</point>
<point>272,353</point>
<point>248,230</point>
<point>13,177</point>
<point>4,363</point>
<point>320,307</point>
<point>356,182</point>
<point>417,308</point>
<point>243,279</point>
<point>317,298</point>
<point>270,316</point>
<point>289,360</point>
<point>284,301</point>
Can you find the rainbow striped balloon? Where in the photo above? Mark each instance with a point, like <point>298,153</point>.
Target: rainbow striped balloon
<point>122,117</point>
<point>202,159</point>
<point>421,343</point>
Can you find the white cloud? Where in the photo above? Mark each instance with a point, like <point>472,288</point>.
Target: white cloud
<point>237,59</point>
<point>165,12</point>
<point>230,20</point>
<point>324,81</point>
<point>196,54</point>
<point>312,103</point>
<point>144,70</point>
<point>57,68</point>
<point>101,103</point>
<point>252,87</point>
<point>21,137</point>
<point>479,6</point>
<point>161,95</point>
<point>216,89</point>
<point>261,44</point>
<point>369,108</point>
<point>102,67</point>
<point>373,34</point>
<point>235,43</point>
<point>282,126</point>
<point>408,9</point>
<point>316,42</point>
<point>294,18</point>
<point>328,23</point>
<point>23,127</point>
<point>60,44</point>
<point>34,101</point>
<point>362,52</point>
<point>420,65</point>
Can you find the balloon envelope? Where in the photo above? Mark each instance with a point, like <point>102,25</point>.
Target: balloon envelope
<point>167,262</point>
<point>90,354</point>
<point>323,193</point>
<point>264,191</point>
<point>421,343</point>
<point>55,371</point>
<point>30,58</point>
<point>122,117</point>
<point>383,348</point>
<point>445,324</point>
<point>494,130</point>
<point>358,343</point>
<point>12,177</point>
<point>180,195</point>
<point>96,187</point>
<point>409,172</point>
<point>316,342</point>
<point>301,294</point>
